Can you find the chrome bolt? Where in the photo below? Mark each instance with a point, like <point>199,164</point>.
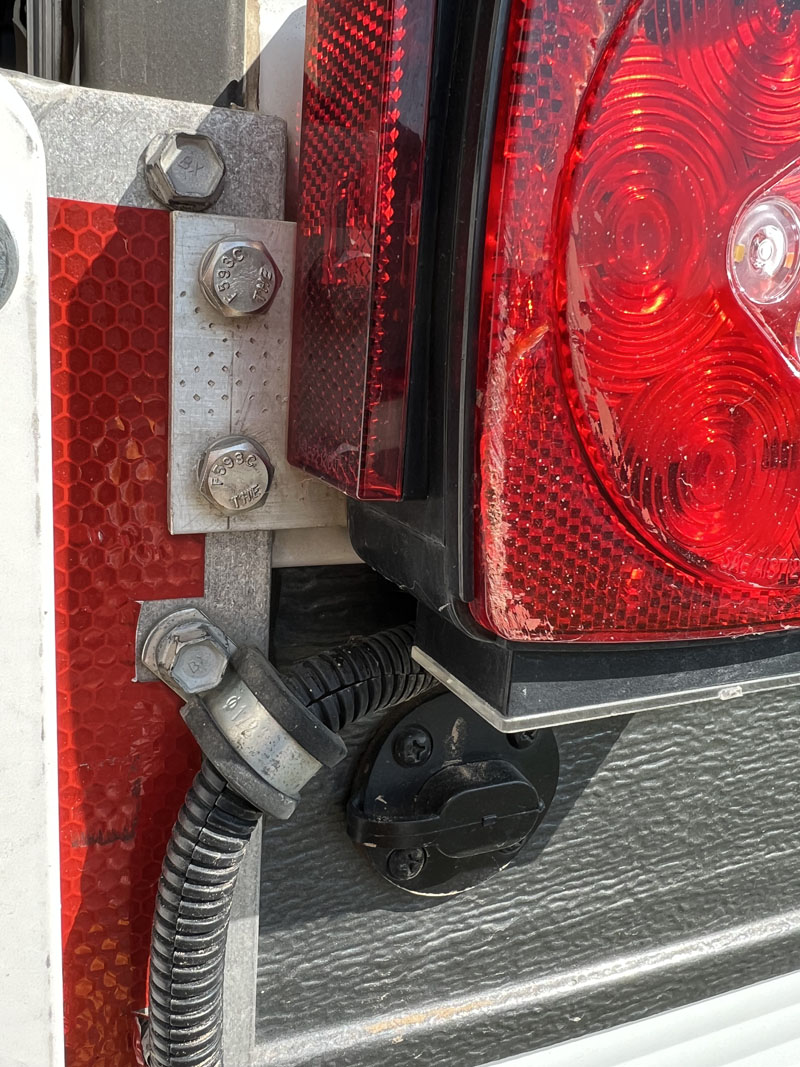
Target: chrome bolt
<point>235,474</point>
<point>238,276</point>
<point>184,170</point>
<point>193,656</point>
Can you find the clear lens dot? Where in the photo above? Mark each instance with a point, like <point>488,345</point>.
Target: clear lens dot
<point>765,250</point>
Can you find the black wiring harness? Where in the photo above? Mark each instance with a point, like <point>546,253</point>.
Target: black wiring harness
<point>208,843</point>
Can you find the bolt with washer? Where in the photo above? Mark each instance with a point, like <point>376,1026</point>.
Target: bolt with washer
<point>238,276</point>
<point>235,474</point>
<point>184,170</point>
<point>412,747</point>
<point>193,657</point>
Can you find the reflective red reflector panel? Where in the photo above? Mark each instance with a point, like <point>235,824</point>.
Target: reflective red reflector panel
<point>125,758</point>
<point>639,429</point>
<point>362,142</point>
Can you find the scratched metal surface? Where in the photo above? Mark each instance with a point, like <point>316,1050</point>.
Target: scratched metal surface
<point>667,871</point>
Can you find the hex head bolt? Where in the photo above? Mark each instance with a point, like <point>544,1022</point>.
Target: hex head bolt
<point>193,656</point>
<point>184,170</point>
<point>235,474</point>
<point>238,277</point>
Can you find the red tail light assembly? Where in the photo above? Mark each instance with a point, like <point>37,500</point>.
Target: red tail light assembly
<point>610,236</point>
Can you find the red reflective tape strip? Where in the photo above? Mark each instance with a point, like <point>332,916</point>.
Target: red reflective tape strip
<point>125,758</point>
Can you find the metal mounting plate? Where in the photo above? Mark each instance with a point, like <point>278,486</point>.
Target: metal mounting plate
<point>232,376</point>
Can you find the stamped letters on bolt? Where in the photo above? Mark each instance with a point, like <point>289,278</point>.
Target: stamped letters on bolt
<point>225,480</point>
<point>184,170</point>
<point>235,474</point>
<point>238,277</point>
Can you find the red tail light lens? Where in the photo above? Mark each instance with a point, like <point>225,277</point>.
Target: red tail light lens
<point>639,427</point>
<point>363,133</point>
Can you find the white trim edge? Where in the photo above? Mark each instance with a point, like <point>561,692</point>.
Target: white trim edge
<point>31,993</point>
<point>758,1026</point>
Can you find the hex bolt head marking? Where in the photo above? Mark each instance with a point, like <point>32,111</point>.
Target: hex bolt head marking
<point>184,170</point>
<point>404,864</point>
<point>235,474</point>
<point>412,747</point>
<point>193,657</point>
<point>238,277</point>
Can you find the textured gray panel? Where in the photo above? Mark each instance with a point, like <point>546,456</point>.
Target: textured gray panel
<point>94,142</point>
<point>667,871</point>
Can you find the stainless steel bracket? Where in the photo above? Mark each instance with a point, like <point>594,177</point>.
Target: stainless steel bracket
<point>231,376</point>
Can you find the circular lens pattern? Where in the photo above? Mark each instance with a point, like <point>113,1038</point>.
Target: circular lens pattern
<point>764,250</point>
<point>711,455</point>
<point>742,59</point>
<point>640,252</point>
<point>689,414</point>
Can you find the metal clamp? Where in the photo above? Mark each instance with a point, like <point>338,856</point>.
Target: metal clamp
<point>248,724</point>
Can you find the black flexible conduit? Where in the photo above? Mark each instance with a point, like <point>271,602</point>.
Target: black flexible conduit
<point>187,950</point>
<point>190,928</point>
<point>376,673</point>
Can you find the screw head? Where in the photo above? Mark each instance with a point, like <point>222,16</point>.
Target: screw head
<point>523,739</point>
<point>235,475</point>
<point>184,170</point>
<point>404,864</point>
<point>193,657</point>
<point>238,277</point>
<point>412,747</point>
